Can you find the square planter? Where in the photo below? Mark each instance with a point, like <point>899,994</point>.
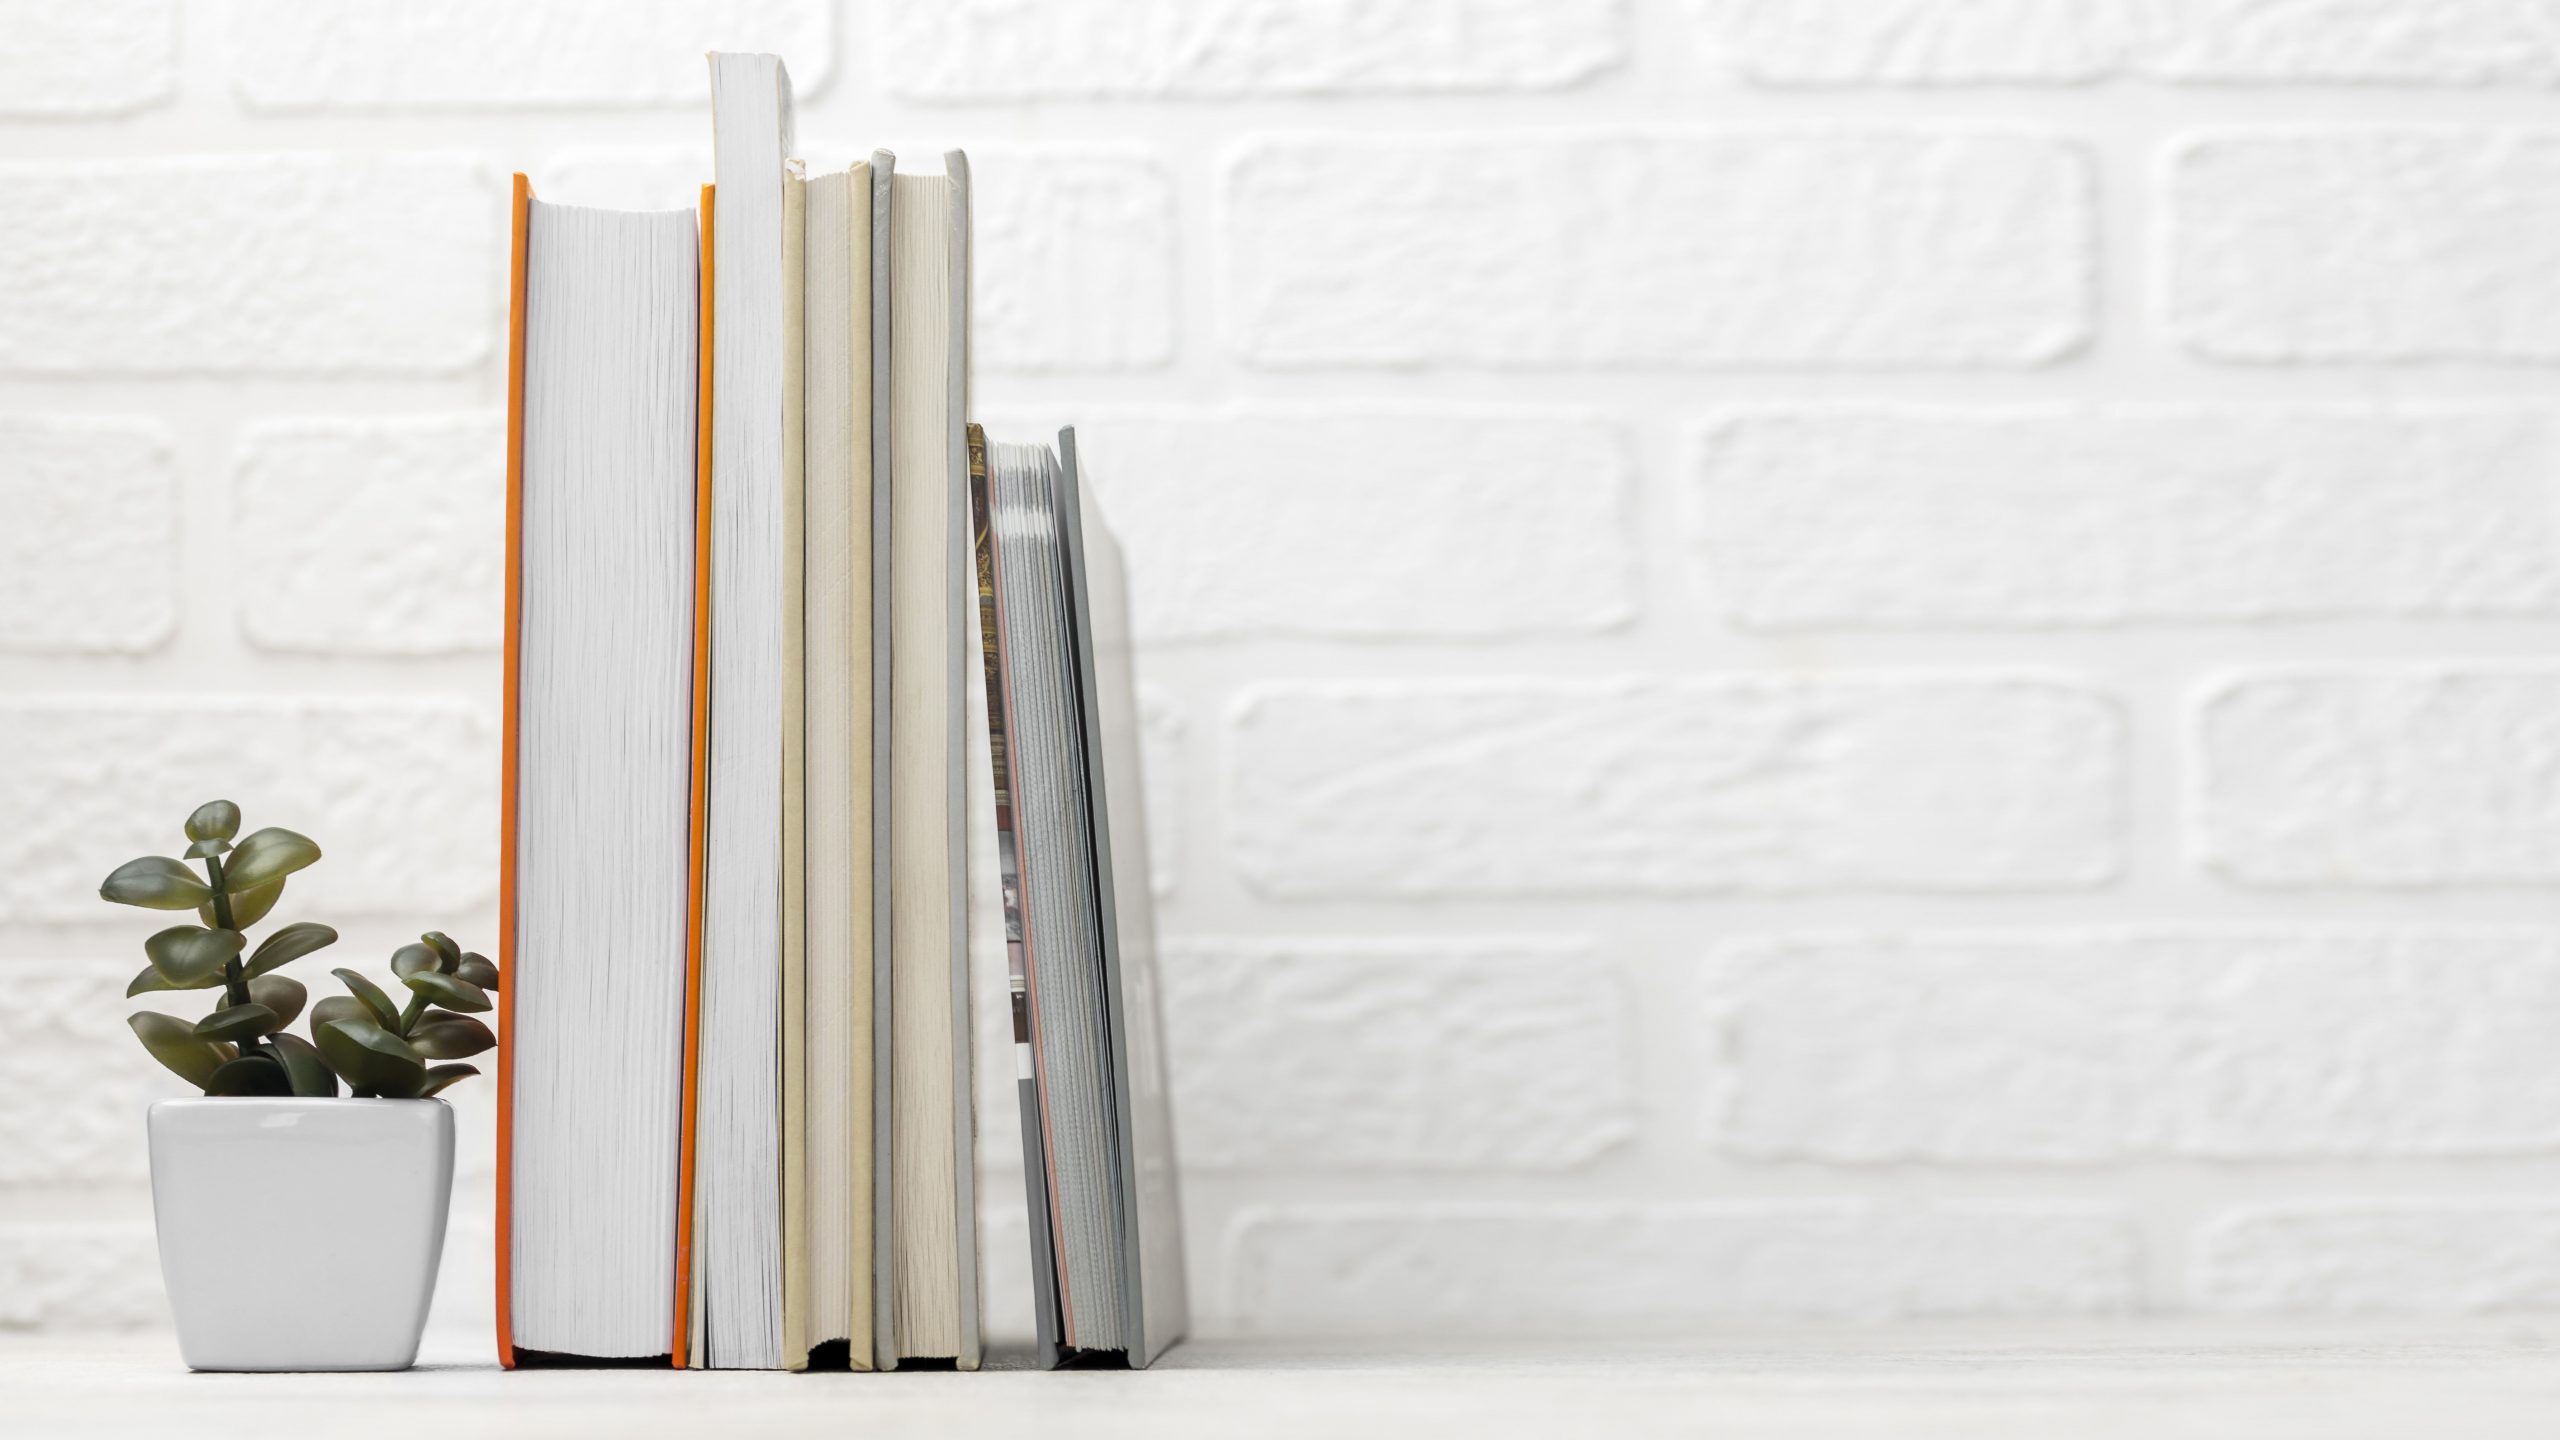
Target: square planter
<point>300,1234</point>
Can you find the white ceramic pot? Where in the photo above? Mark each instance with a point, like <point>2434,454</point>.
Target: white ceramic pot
<point>300,1234</point>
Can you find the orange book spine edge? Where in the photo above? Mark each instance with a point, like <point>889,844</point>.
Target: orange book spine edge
<point>522,204</point>
<point>701,786</point>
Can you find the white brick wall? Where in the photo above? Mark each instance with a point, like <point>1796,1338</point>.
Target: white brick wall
<point>1801,659</point>
<point>2044,1047</point>
<point>1954,42</point>
<point>2446,1256</point>
<point>68,581</point>
<point>297,264</point>
<point>1669,248</point>
<point>375,536</point>
<point>1466,1055</point>
<point>2448,261</point>
<point>2414,775</point>
<point>1836,517</point>
<point>1633,787</point>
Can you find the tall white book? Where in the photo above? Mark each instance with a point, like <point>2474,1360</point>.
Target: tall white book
<point>737,1286</point>
<point>600,725</point>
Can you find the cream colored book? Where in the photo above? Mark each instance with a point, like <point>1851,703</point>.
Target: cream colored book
<point>795,953</point>
<point>836,775</point>
<point>933,626</point>
<point>884,1209</point>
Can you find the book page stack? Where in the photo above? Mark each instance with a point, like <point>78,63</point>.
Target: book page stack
<point>812,694</point>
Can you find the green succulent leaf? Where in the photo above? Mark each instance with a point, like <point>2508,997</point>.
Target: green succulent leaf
<point>281,993</point>
<point>303,1066</point>
<point>339,1007</point>
<point>384,1012</point>
<point>187,954</point>
<point>155,882</point>
<point>202,848</point>
<point>411,960</point>
<point>443,1035</point>
<point>249,1075</point>
<point>371,1059</point>
<point>174,1043</point>
<point>440,1076</point>
<point>288,945</point>
<point>269,854</point>
<point>248,907</point>
<point>151,979</point>
<point>237,1022</point>
<point>450,991</point>
<point>214,820</point>
<point>476,968</point>
<point>448,954</point>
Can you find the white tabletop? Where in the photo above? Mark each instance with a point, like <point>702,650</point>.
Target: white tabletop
<point>2469,1379</point>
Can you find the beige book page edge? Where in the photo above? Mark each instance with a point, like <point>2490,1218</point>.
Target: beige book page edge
<point>858,1327</point>
<point>793,1059</point>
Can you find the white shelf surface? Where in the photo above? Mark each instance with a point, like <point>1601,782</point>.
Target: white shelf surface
<point>2138,1378</point>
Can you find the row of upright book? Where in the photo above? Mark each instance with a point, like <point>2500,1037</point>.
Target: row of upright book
<point>818,704</point>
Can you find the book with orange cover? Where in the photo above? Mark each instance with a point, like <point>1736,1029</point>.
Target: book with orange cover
<point>603,781</point>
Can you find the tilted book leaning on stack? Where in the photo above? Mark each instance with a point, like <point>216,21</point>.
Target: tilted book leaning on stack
<point>1097,1120</point>
<point>750,818</point>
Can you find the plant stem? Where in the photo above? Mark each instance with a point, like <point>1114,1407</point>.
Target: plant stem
<point>235,986</point>
<point>416,1007</point>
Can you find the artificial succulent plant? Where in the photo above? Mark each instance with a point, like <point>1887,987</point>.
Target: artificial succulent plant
<point>244,1046</point>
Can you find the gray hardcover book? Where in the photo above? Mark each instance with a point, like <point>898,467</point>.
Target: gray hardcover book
<point>1106,1233</point>
<point>1154,1289</point>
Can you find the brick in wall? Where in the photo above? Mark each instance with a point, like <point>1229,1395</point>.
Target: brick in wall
<point>1911,517</point>
<point>460,54</point>
<point>1996,42</point>
<point>1074,253</point>
<point>374,537</point>
<point>1666,248</point>
<point>1909,42</point>
<point>1451,1055</point>
<point>2411,776</point>
<point>89,557</point>
<point>2409,42</point>
<point>400,793</point>
<point>2061,1046</point>
<point>93,58</point>
<point>1528,1269</point>
<point>1431,523</point>
<point>2431,1256</point>
<point>2383,246</point>
<point>251,264</point>
<point>986,50</point>
<point>1703,786</point>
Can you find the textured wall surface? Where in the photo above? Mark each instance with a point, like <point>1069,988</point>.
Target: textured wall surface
<point>1803,659</point>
